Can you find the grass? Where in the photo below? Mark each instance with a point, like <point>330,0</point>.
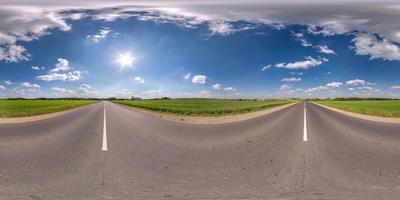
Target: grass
<point>203,107</point>
<point>383,108</point>
<point>23,108</point>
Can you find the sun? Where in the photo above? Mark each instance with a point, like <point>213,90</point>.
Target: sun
<point>125,59</point>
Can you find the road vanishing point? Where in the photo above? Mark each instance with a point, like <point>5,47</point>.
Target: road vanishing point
<point>106,151</point>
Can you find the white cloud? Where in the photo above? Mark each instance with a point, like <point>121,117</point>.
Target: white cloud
<point>8,82</point>
<point>25,87</point>
<point>334,84</point>
<point>284,87</point>
<point>168,15</point>
<point>365,88</point>
<point>37,68</point>
<point>2,88</point>
<point>368,89</point>
<point>61,65</point>
<point>57,89</point>
<point>13,53</point>
<point>52,77</point>
<point>278,26</point>
<point>25,23</point>
<point>154,93</point>
<point>229,89</point>
<point>102,34</point>
<point>339,24</point>
<point>139,79</point>
<point>265,67</point>
<point>325,49</point>
<point>74,16</point>
<point>199,79</point>
<point>395,87</point>
<point>296,73</point>
<point>85,86</point>
<point>315,89</point>
<point>110,15</point>
<point>221,27</point>
<point>63,91</point>
<point>86,89</point>
<point>329,86</point>
<point>356,82</point>
<point>289,92</point>
<point>306,64</point>
<point>205,93</point>
<point>321,48</point>
<point>187,76</point>
<point>125,93</point>
<point>216,86</point>
<point>369,44</point>
<point>70,76</point>
<point>301,39</point>
<point>74,76</point>
<point>319,30</point>
<point>291,79</point>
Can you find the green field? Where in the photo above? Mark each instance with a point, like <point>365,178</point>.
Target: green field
<point>203,107</point>
<point>383,108</point>
<point>23,108</point>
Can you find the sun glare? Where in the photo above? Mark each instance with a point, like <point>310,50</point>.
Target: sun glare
<point>125,59</point>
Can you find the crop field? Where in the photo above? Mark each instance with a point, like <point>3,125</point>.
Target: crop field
<point>383,108</point>
<point>203,107</point>
<point>23,108</point>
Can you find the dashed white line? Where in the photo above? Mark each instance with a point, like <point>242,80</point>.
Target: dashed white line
<point>104,145</point>
<point>305,124</point>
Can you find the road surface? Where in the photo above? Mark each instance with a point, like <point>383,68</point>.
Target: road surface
<point>105,151</point>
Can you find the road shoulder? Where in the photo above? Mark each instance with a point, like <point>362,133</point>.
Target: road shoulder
<point>362,116</point>
<point>207,120</point>
<point>17,120</point>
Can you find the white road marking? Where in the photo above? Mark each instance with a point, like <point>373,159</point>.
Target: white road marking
<point>305,124</point>
<point>104,146</point>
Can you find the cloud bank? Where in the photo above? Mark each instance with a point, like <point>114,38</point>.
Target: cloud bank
<point>25,21</point>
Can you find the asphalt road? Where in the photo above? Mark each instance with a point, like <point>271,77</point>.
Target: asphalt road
<point>143,157</point>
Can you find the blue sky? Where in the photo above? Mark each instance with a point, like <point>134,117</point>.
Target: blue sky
<point>172,52</point>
